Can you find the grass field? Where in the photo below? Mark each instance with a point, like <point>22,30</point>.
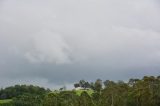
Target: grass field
<point>88,91</point>
<point>5,101</point>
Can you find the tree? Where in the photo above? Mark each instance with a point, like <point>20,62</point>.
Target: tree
<point>51,99</point>
<point>27,100</point>
<point>68,98</point>
<point>92,86</point>
<point>76,85</point>
<point>85,99</point>
<point>18,90</point>
<point>63,88</point>
<point>98,85</point>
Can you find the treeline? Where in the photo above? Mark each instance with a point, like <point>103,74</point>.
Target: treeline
<point>18,90</point>
<point>135,92</point>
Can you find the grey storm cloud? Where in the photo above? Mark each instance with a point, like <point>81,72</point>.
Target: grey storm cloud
<point>55,42</point>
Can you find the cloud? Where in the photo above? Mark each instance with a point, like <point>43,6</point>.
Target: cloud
<point>49,47</point>
<point>65,40</point>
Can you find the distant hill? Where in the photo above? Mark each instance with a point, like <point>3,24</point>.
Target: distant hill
<point>17,90</point>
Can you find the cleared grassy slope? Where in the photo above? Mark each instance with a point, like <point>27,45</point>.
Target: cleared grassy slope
<point>5,101</point>
<point>78,92</point>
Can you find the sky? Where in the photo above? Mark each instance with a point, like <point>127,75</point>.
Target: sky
<point>53,43</point>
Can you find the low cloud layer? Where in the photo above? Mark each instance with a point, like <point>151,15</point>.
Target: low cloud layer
<point>60,42</point>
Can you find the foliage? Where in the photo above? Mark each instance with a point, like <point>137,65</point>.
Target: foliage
<point>17,90</point>
<point>89,92</point>
<point>135,92</point>
<point>27,100</point>
<point>7,102</point>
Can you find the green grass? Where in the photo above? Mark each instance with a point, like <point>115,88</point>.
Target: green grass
<point>5,101</point>
<point>78,92</point>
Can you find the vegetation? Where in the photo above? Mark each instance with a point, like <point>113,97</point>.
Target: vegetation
<point>18,90</point>
<point>22,95</point>
<point>89,92</point>
<point>135,92</point>
<point>6,102</point>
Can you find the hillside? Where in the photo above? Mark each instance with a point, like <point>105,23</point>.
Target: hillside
<point>135,92</point>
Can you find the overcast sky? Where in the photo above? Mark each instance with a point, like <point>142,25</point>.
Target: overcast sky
<point>58,42</point>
